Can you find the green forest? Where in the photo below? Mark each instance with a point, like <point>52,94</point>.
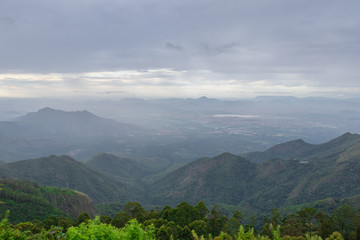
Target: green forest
<point>185,221</point>
<point>301,192</point>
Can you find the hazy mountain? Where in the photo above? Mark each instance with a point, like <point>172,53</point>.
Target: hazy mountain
<point>219,179</point>
<point>333,171</point>
<point>301,150</point>
<point>50,131</point>
<point>57,124</point>
<point>175,130</point>
<point>65,172</point>
<point>125,168</point>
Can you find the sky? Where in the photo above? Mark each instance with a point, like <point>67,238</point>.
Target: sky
<point>179,48</point>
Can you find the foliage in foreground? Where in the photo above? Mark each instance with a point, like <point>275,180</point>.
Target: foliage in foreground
<point>91,229</point>
<point>185,222</point>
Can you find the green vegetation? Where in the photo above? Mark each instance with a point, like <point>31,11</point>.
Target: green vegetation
<point>28,201</point>
<point>186,222</point>
<point>65,172</point>
<point>326,172</point>
<point>313,197</point>
<point>330,173</point>
<point>124,168</point>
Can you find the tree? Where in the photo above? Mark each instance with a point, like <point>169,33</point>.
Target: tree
<point>185,234</point>
<point>105,219</point>
<point>201,210</point>
<point>335,236</point>
<point>344,219</point>
<point>135,210</point>
<point>307,216</point>
<point>199,226</point>
<point>120,219</point>
<point>162,233</point>
<point>275,218</point>
<point>223,236</point>
<point>165,212</point>
<point>152,214</point>
<point>84,217</point>
<point>50,221</point>
<point>65,223</point>
<point>245,235</point>
<point>326,225</point>
<point>235,221</point>
<point>292,226</point>
<point>183,214</point>
<point>217,221</point>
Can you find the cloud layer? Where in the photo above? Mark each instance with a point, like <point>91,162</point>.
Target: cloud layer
<point>229,48</point>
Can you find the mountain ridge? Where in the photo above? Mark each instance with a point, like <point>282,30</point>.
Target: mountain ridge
<point>333,172</point>
<point>66,172</point>
<point>301,150</point>
<point>49,131</point>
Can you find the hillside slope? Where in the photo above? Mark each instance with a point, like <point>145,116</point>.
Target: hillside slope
<point>124,168</point>
<point>300,150</point>
<point>51,123</point>
<point>332,171</point>
<point>63,171</point>
<point>28,201</point>
<point>49,131</point>
<point>220,179</point>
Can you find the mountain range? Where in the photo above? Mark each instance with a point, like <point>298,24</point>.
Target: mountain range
<point>300,150</point>
<point>291,173</point>
<point>175,131</point>
<point>49,131</point>
<point>308,173</point>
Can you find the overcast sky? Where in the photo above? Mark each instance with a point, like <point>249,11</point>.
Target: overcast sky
<point>182,48</point>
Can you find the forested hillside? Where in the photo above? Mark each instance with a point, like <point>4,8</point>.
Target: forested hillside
<point>327,170</point>
<point>28,201</point>
<point>308,173</point>
<point>64,171</point>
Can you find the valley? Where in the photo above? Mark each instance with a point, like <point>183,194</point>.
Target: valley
<point>293,173</point>
<point>253,157</point>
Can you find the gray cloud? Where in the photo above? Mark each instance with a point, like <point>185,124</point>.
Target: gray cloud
<point>313,43</point>
<point>5,20</point>
<point>215,50</point>
<point>174,46</point>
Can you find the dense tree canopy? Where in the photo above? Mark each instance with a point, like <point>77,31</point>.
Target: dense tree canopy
<point>190,222</point>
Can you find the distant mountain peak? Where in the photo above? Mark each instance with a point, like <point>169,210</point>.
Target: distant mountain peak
<point>203,98</point>
<point>225,155</point>
<point>55,113</point>
<point>346,138</point>
<point>349,135</point>
<point>288,146</point>
<point>46,110</point>
<point>52,110</point>
<point>299,149</point>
